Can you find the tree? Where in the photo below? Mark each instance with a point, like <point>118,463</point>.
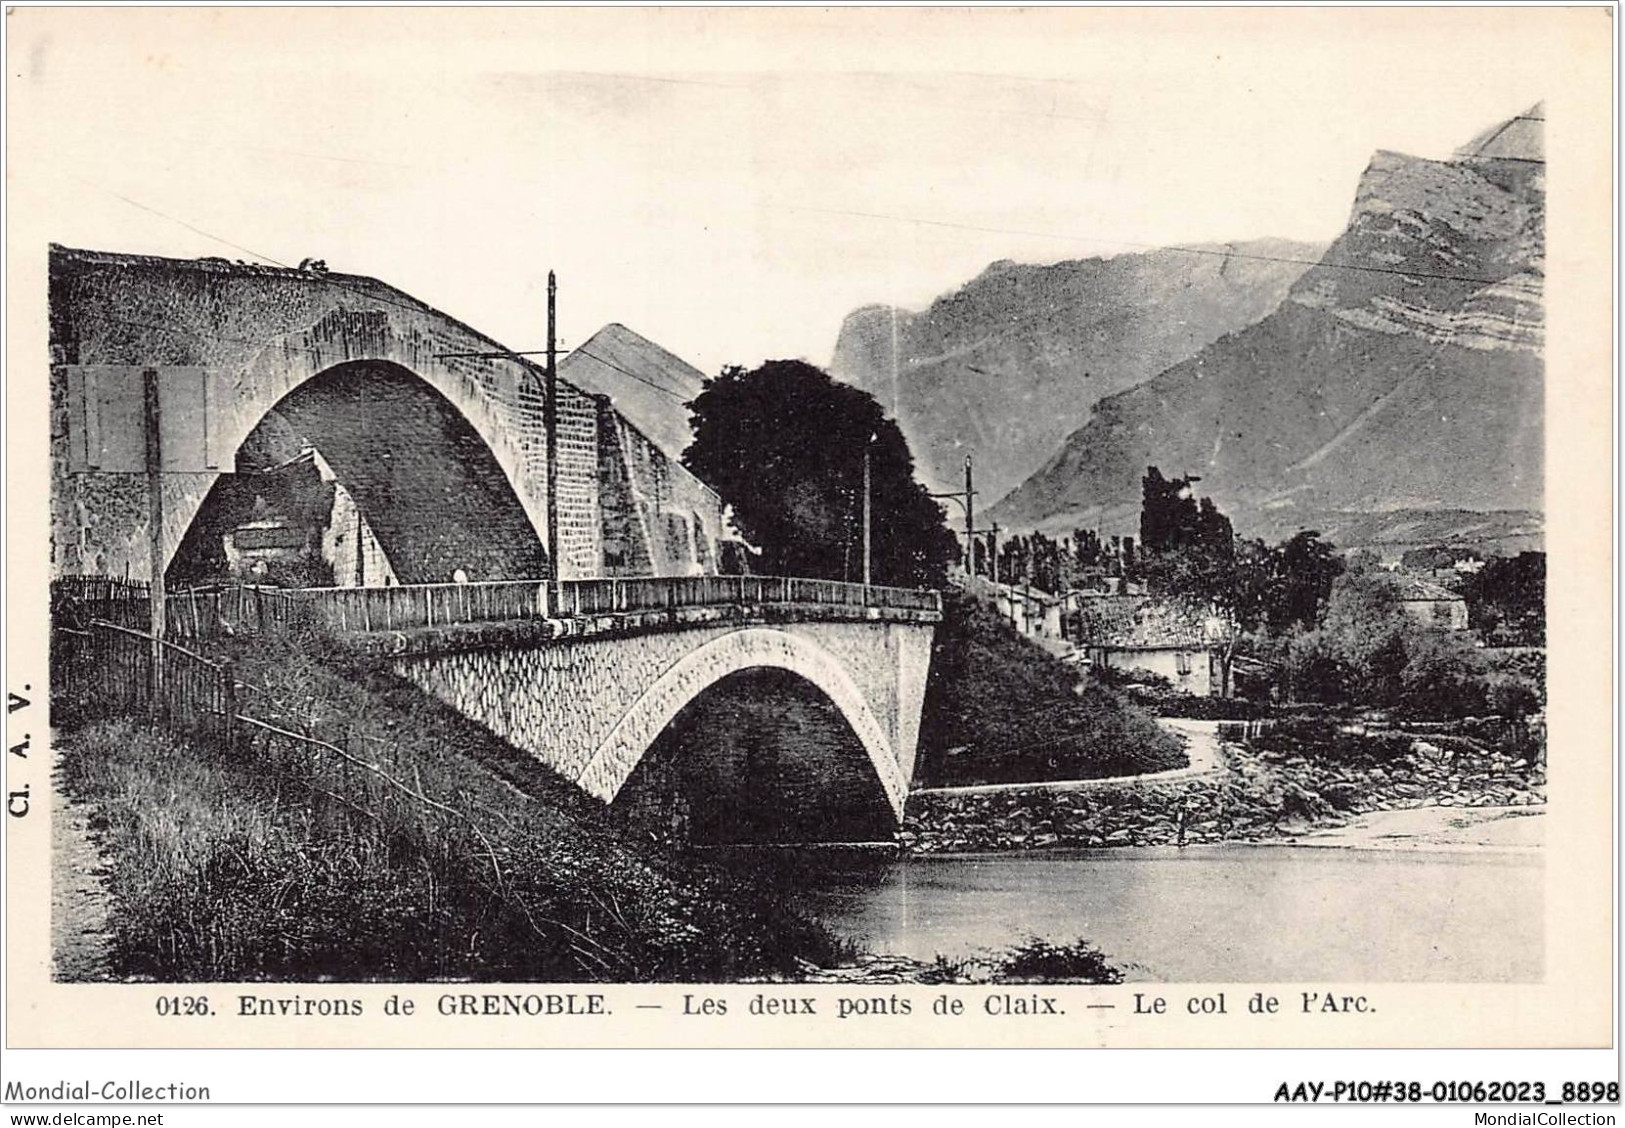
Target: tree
<point>1508,597</point>
<point>784,445</point>
<point>1438,557</point>
<point>1284,587</point>
<point>1173,520</point>
<point>1359,650</point>
<point>1367,650</point>
<point>1303,570</point>
<point>1188,549</point>
<point>1035,560</point>
<point>1188,553</point>
<point>1191,553</point>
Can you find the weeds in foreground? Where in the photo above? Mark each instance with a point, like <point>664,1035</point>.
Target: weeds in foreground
<point>1032,961</point>
<point>222,872</point>
<point>249,865</point>
<point>1040,961</point>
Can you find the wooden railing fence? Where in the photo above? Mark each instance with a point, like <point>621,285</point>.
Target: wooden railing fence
<point>333,766</point>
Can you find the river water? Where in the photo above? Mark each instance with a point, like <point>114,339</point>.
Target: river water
<point>1228,913</point>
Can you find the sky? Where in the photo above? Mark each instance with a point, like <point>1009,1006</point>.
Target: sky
<point>729,183</point>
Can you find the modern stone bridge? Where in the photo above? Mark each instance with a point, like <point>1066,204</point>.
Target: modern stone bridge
<point>588,677</point>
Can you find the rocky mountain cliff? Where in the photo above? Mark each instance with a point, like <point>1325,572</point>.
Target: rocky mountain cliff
<point>1404,372</point>
<point>1012,362</point>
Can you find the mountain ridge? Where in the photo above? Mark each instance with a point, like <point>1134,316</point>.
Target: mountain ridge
<point>1403,372</point>
<point>1008,363</point>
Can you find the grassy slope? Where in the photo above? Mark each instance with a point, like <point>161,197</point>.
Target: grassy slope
<point>224,871</point>
<point>1000,710</point>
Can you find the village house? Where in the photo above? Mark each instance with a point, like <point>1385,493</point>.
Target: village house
<point>1029,611</point>
<point>292,523</point>
<point>1033,613</point>
<point>1156,636</point>
<point>1432,605</point>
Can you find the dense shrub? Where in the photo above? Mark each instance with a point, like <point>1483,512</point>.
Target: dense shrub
<point>1155,693</point>
<point>1328,739</point>
<point>1040,961</point>
<point>1368,652</point>
<point>1135,680</point>
<point>1209,708</point>
<point>1000,710</point>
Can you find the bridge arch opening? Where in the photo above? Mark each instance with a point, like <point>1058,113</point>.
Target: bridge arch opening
<point>364,474</point>
<point>760,756</point>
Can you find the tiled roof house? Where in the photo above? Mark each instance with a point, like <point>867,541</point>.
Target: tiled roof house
<point>1159,636</point>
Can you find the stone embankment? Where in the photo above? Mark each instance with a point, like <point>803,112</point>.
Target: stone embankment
<point>1262,796</point>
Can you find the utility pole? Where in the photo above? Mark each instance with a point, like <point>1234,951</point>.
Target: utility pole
<point>970,521</point>
<point>550,424</point>
<point>966,499</point>
<point>152,421</point>
<point>868,576</point>
<point>993,556</point>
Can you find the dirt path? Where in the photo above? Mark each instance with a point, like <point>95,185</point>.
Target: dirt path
<point>1201,740</point>
<point>79,893</point>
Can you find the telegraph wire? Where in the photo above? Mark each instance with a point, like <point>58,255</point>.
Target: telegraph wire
<point>176,219</point>
<point>329,278</point>
<point>200,335</point>
<point>678,396</point>
<point>1213,252</point>
<point>334,281</point>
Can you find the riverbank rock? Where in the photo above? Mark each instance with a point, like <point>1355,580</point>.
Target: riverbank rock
<point>1263,794</point>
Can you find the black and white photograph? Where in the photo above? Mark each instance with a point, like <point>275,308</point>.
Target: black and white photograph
<point>718,498</point>
<point>1253,603</point>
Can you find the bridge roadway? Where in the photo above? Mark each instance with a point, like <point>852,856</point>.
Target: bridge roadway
<point>587,675</point>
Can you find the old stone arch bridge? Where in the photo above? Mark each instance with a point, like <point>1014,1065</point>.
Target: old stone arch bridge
<point>436,429</point>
